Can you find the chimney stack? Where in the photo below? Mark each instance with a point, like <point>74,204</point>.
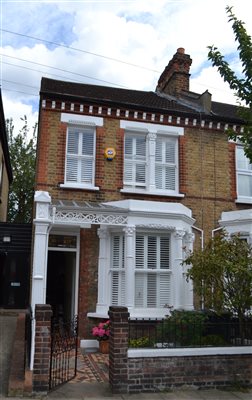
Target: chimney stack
<point>175,77</point>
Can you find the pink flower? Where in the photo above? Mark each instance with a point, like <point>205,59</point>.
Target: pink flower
<point>102,330</point>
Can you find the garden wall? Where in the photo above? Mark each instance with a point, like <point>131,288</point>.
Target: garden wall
<point>152,370</point>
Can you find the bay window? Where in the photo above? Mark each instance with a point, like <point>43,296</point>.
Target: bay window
<point>152,270</point>
<point>243,176</point>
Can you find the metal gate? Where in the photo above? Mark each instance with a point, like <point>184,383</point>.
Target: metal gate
<point>64,347</point>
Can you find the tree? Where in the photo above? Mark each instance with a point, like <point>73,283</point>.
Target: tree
<point>23,160</point>
<point>222,275</point>
<point>243,85</point>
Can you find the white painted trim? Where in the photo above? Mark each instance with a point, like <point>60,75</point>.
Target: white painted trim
<point>152,192</point>
<point>186,352</point>
<point>78,186</point>
<point>157,128</point>
<point>77,119</point>
<point>244,200</point>
<point>89,344</point>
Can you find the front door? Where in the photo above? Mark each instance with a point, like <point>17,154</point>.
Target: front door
<point>61,275</point>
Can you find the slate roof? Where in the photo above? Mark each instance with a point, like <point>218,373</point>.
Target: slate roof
<point>142,100</point>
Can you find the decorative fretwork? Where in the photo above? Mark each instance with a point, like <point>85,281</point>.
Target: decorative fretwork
<point>77,217</point>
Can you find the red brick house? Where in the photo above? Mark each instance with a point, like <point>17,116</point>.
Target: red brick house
<point>125,181</point>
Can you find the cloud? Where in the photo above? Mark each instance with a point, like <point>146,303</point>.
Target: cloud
<point>144,33</point>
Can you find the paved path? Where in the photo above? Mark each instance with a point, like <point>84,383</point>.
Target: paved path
<point>7,331</point>
<point>98,391</point>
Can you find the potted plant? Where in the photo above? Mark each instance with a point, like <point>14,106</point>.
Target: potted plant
<point>102,332</point>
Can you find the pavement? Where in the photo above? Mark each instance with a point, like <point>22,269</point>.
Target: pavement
<point>99,391</point>
<point>7,331</point>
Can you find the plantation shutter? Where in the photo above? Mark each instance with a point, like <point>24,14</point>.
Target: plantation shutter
<point>80,156</point>
<point>135,160</point>
<point>87,161</point>
<point>165,164</point>
<point>152,276</point>
<point>118,273</point>
<point>72,160</point>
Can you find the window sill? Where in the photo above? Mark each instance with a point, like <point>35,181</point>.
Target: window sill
<point>76,186</point>
<point>152,193</point>
<point>244,200</point>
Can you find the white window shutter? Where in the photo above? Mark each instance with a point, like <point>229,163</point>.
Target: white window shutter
<point>165,290</point>
<point>152,276</point>
<point>72,142</point>
<point>135,160</point>
<point>165,164</point>
<point>118,273</point>
<point>151,290</point>
<point>139,290</point>
<point>71,169</point>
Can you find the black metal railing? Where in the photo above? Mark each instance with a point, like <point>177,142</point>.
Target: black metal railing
<point>176,333</point>
<point>64,347</point>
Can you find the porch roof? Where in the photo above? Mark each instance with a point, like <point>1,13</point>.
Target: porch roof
<point>87,212</point>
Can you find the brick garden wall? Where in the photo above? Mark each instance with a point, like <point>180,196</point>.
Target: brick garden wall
<point>152,373</point>
<point>157,374</point>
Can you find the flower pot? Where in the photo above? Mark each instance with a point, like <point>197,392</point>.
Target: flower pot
<point>104,346</point>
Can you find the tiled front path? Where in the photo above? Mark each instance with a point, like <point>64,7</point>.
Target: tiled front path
<point>91,367</point>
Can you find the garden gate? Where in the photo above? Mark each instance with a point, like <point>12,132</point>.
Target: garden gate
<point>64,348</point>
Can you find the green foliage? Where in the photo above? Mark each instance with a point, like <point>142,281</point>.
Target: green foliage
<point>182,328</point>
<point>222,274</point>
<point>213,340</point>
<point>143,341</point>
<point>242,86</point>
<point>23,160</point>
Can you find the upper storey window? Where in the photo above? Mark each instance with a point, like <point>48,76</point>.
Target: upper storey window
<point>80,151</point>
<point>243,176</point>
<point>151,159</point>
<point>80,156</point>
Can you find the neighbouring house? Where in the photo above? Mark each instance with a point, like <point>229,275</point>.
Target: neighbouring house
<point>5,166</point>
<point>15,239</point>
<point>127,182</point>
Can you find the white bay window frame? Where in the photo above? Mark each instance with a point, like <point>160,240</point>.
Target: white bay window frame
<point>161,160</point>
<point>120,268</point>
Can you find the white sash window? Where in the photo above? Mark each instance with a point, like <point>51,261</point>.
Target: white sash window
<point>135,161</point>
<point>243,176</point>
<point>151,162</point>
<point>80,156</point>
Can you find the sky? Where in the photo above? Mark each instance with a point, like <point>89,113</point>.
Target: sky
<point>124,44</point>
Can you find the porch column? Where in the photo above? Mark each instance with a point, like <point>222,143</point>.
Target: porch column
<point>177,269</point>
<point>188,285</point>
<point>40,248</point>
<point>103,283</point>
<point>129,266</point>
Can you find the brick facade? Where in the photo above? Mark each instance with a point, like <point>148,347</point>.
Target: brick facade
<point>206,178</point>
